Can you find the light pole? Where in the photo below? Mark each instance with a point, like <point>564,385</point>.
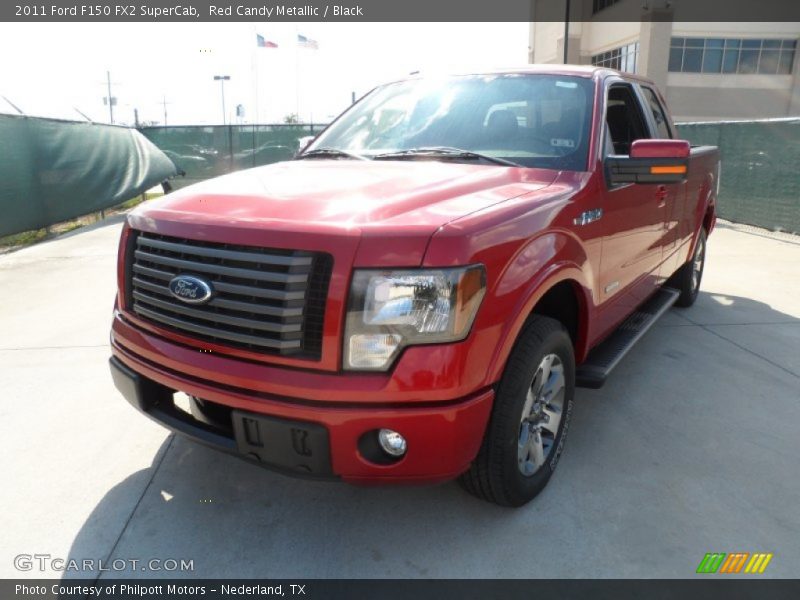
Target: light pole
<point>110,100</point>
<point>164,105</point>
<point>222,79</point>
<point>566,34</point>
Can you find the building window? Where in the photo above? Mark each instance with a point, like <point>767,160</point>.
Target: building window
<point>598,5</point>
<point>731,55</point>
<point>623,58</point>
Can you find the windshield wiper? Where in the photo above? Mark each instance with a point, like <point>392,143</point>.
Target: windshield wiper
<point>329,153</point>
<point>444,152</point>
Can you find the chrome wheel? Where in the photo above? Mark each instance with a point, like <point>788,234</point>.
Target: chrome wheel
<point>697,263</point>
<point>541,415</point>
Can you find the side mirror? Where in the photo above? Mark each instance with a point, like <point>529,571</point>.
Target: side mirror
<point>650,161</point>
<point>304,142</point>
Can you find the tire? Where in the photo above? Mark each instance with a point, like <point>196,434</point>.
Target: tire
<point>512,467</point>
<point>687,279</point>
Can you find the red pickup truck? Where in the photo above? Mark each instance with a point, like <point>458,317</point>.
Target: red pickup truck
<point>415,297</point>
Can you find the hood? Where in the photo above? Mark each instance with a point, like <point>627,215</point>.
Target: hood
<point>350,194</point>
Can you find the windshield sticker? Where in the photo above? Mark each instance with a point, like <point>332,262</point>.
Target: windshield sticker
<point>562,143</point>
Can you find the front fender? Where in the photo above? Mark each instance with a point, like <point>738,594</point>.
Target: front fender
<point>527,246</point>
<point>542,263</point>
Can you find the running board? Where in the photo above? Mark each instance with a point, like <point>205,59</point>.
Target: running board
<point>594,371</point>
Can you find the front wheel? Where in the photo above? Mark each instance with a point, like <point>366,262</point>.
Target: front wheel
<point>530,417</point>
<point>687,279</point>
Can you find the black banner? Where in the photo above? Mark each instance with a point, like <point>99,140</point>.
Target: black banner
<point>709,587</point>
<point>398,11</point>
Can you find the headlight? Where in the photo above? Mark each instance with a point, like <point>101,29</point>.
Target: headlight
<point>389,310</point>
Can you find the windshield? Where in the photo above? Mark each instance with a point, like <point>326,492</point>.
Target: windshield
<point>532,120</point>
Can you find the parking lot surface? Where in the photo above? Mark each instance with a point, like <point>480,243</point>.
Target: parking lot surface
<point>691,447</point>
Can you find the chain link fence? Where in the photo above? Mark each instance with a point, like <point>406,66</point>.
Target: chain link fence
<point>760,184</point>
<point>56,170</point>
<point>204,152</point>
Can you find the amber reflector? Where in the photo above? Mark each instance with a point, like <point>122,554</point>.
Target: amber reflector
<point>470,292</point>
<point>673,169</point>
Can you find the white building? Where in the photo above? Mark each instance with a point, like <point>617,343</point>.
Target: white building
<point>708,71</point>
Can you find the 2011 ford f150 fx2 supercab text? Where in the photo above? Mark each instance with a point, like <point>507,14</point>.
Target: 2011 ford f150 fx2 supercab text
<point>416,295</point>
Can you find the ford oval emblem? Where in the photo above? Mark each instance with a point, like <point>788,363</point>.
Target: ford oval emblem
<point>190,289</point>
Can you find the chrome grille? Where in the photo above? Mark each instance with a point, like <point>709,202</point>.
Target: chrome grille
<point>266,300</point>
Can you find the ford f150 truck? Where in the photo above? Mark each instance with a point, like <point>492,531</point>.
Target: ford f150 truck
<point>415,297</point>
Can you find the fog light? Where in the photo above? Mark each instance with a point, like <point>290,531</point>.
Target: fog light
<point>392,442</point>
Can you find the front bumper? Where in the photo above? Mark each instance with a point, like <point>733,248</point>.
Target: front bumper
<point>311,438</point>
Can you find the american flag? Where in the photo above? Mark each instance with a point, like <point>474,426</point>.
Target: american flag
<point>262,43</point>
<point>305,42</point>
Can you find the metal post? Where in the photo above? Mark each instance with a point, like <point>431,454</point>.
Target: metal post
<point>222,79</point>
<point>14,106</point>
<point>253,143</point>
<point>81,113</point>
<point>230,148</point>
<point>110,99</point>
<point>224,114</point>
<point>566,34</point>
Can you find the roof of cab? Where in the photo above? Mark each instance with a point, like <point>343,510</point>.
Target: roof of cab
<point>588,71</point>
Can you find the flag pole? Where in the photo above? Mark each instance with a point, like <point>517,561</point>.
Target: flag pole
<point>296,73</point>
<point>255,68</point>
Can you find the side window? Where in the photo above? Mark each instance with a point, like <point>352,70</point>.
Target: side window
<point>624,118</point>
<point>662,125</point>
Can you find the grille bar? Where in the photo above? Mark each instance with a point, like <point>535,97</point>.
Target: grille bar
<point>265,300</point>
<point>256,257</point>
<point>216,333</point>
<point>215,317</point>
<point>223,303</point>
<point>227,287</point>
<point>220,270</point>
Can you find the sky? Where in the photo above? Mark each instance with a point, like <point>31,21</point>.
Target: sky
<point>52,69</point>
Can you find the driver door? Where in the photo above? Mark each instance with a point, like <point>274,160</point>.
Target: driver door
<point>633,214</point>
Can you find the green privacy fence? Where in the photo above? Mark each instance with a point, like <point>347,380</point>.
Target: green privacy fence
<point>205,152</point>
<point>53,170</point>
<point>760,183</point>
<point>56,170</point>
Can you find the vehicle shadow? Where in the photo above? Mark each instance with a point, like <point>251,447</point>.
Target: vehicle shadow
<point>648,466</point>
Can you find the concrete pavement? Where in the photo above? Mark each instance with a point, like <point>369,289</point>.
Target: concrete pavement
<point>691,447</point>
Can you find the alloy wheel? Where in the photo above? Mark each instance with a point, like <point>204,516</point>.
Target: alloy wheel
<point>541,415</point>
<point>697,263</point>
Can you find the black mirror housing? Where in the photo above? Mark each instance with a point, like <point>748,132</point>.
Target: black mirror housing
<point>659,161</point>
<point>624,169</point>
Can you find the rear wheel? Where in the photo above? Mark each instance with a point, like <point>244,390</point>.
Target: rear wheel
<point>530,417</point>
<point>687,279</point>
